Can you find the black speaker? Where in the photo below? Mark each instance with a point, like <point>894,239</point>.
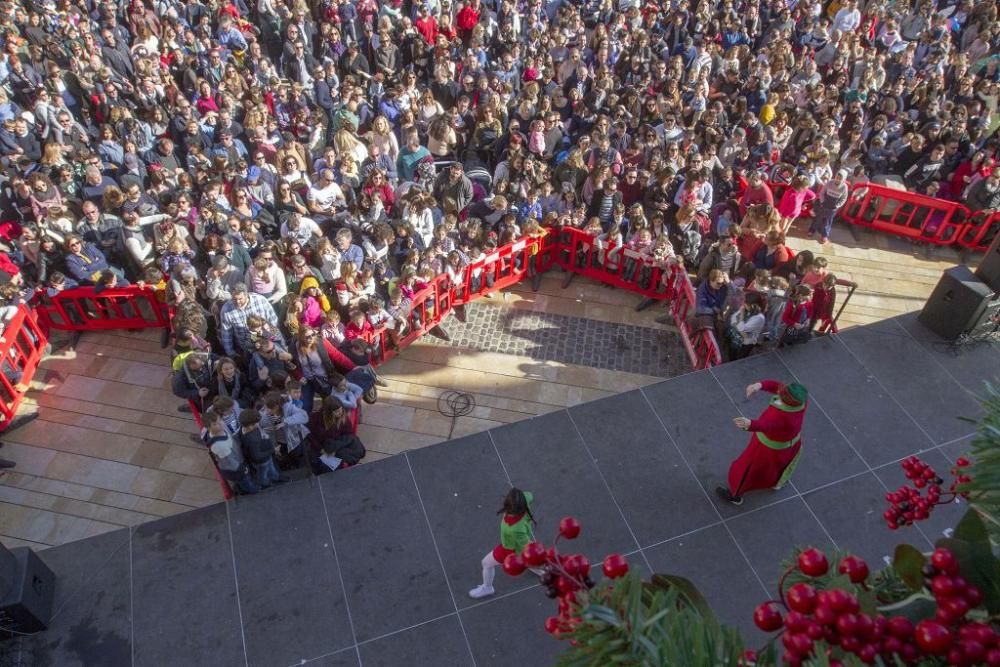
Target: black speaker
<point>28,591</point>
<point>989,269</point>
<point>957,304</point>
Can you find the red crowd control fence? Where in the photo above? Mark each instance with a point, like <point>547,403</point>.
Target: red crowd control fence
<point>906,214</point>
<point>87,309</point>
<point>980,231</point>
<point>699,343</point>
<point>920,218</point>
<point>579,252</point>
<point>22,346</point>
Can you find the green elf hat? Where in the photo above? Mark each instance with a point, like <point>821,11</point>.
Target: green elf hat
<point>794,395</point>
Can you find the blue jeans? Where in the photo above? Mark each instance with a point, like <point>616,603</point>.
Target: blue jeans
<point>267,473</point>
<point>309,392</point>
<point>246,484</point>
<point>823,224</point>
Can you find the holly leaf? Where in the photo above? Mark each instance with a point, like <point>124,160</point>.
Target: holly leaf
<point>972,529</point>
<point>916,608</point>
<point>908,563</point>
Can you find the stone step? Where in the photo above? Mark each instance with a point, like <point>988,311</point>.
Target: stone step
<point>72,507</point>
<point>113,499</point>
<point>112,447</point>
<point>51,408</point>
<point>181,489</point>
<point>47,527</point>
<point>430,403</point>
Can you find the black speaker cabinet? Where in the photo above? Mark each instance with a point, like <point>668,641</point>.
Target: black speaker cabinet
<point>28,593</point>
<point>989,269</point>
<point>957,304</point>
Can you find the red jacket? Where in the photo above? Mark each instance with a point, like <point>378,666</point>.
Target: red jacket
<point>428,28</point>
<point>797,314</point>
<point>352,331</point>
<point>467,18</point>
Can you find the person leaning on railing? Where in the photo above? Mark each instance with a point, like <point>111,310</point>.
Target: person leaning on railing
<point>85,262</point>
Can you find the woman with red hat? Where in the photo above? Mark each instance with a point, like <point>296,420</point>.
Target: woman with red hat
<point>770,458</point>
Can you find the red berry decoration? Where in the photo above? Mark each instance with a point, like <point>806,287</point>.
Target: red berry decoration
<point>802,598</point>
<point>944,561</point>
<point>797,643</point>
<point>566,585</point>
<point>767,617</point>
<point>813,562</point>
<point>900,627</point>
<point>534,554</point>
<point>578,566</point>
<point>933,637</point>
<point>513,565</point>
<point>855,568</point>
<point>552,625</point>
<point>569,528</point>
<point>615,566</point>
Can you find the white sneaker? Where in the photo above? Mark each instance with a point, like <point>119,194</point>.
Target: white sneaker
<point>481,591</point>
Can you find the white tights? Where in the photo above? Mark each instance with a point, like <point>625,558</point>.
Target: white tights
<point>490,565</point>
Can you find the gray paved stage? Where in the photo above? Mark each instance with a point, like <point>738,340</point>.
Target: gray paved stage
<point>371,566</point>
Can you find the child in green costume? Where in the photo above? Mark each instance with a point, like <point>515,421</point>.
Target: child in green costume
<point>515,532</point>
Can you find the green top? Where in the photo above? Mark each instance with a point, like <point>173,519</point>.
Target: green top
<point>515,536</point>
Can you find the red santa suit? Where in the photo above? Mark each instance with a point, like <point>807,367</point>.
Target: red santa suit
<point>773,452</point>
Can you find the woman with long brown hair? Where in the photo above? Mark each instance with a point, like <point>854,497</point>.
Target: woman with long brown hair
<point>333,433</point>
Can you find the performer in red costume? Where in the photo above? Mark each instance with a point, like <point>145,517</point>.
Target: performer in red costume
<point>773,452</point>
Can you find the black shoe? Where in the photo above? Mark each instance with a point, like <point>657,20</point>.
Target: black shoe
<point>164,338</point>
<point>536,282</point>
<point>184,407</point>
<point>282,480</point>
<point>665,319</point>
<point>439,332</point>
<point>723,493</point>
<point>4,463</point>
<point>196,438</point>
<point>567,280</point>
<point>644,304</point>
<point>460,314</point>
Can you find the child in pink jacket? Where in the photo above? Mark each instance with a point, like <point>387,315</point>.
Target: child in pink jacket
<point>794,200</point>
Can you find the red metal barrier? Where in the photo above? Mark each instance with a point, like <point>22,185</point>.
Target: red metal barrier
<point>981,229</point>
<point>906,214</point>
<point>620,266</point>
<point>86,309</point>
<point>430,306</point>
<point>21,348</point>
<point>701,347</point>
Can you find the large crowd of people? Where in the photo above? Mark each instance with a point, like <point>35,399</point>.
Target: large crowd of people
<point>291,174</point>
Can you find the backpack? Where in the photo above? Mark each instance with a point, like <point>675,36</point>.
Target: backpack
<point>691,246</point>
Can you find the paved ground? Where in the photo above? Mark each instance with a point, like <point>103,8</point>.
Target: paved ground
<point>567,339</point>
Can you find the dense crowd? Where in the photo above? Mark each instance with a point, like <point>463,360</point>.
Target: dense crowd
<point>289,175</point>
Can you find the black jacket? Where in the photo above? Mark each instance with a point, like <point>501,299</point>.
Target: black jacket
<point>257,447</point>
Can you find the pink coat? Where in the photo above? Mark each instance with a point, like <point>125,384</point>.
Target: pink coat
<point>793,200</point>
<point>312,315</point>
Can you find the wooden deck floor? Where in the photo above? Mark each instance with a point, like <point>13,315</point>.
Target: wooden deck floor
<point>111,450</point>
